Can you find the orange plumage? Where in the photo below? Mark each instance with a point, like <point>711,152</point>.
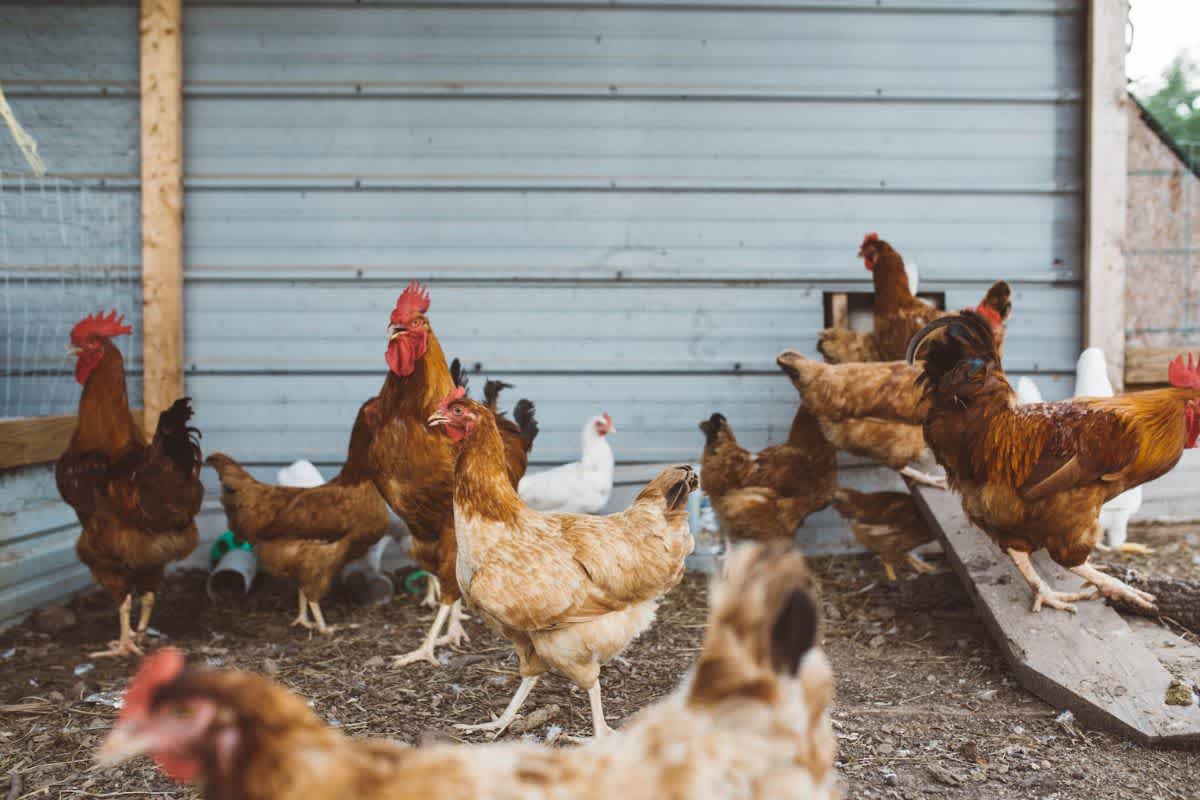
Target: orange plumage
<point>1035,476</point>
<point>767,495</point>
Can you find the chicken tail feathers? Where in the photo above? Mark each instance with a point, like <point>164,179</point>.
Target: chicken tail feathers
<point>523,415</point>
<point>491,393</point>
<point>457,375</point>
<point>764,621</point>
<point>179,441</point>
<point>229,471</point>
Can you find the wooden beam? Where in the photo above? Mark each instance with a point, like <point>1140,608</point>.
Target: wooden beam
<point>36,440</point>
<point>1148,365</point>
<point>1091,663</point>
<point>162,204</point>
<point>1107,127</point>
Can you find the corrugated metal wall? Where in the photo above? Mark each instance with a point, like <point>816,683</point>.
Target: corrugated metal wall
<point>628,207</point>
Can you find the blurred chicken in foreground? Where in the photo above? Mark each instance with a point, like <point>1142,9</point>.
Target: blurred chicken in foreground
<point>751,722</point>
<point>889,524</point>
<point>1035,476</point>
<point>768,494</point>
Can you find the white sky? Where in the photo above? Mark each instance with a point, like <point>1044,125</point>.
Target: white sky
<point>1161,28</point>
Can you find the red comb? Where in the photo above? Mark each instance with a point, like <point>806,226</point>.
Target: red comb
<point>607,418</point>
<point>413,300</point>
<point>1184,376</point>
<point>99,325</point>
<point>990,314</point>
<point>157,669</point>
<point>869,238</point>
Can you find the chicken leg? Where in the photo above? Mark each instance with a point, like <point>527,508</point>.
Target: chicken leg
<point>456,634</point>
<point>1063,601</point>
<point>433,592</point>
<point>1112,588</point>
<point>144,616</point>
<point>924,478</point>
<point>425,651</point>
<point>302,617</point>
<point>498,726</point>
<point>322,628</point>
<point>599,724</point>
<point>124,646</point>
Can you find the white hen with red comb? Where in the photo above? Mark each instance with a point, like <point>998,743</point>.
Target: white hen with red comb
<point>581,487</point>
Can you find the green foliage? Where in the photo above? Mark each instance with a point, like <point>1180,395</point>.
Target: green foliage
<point>1176,105</point>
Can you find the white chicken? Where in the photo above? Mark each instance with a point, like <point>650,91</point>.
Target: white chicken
<point>581,487</point>
<point>1091,380</point>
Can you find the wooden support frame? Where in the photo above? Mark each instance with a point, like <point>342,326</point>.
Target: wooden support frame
<point>37,440</point>
<point>1107,126</point>
<point>162,204</point>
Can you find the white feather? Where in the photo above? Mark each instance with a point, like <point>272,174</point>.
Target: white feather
<point>1027,391</point>
<point>581,487</point>
<point>1091,380</point>
<point>301,474</point>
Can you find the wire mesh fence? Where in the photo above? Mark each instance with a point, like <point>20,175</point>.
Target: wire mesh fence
<point>67,248</point>
<point>1162,239</point>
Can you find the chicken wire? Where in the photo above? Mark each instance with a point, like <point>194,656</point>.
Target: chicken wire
<point>67,249</point>
<point>1162,241</point>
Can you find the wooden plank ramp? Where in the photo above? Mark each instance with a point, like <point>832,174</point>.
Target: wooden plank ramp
<point>1094,663</point>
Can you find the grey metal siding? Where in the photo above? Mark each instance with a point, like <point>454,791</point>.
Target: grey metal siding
<point>627,207</point>
<point>621,206</point>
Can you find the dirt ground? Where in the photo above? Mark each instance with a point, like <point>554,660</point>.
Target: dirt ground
<point>925,708</point>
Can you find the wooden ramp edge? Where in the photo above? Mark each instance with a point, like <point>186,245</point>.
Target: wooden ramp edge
<point>1110,673</point>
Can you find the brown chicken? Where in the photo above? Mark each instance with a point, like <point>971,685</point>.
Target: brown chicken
<point>1035,476</point>
<point>751,723</point>
<point>889,524</point>
<point>570,591</point>
<point>309,534</point>
<point>767,495</point>
<point>898,312</point>
<point>137,501</point>
<point>872,410</point>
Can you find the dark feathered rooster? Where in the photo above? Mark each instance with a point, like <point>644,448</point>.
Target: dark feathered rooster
<point>136,500</point>
<point>1035,476</point>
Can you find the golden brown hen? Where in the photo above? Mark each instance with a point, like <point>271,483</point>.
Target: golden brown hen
<point>889,524</point>
<point>570,591</point>
<point>767,495</point>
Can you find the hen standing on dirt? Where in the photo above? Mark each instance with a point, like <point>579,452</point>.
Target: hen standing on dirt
<point>137,502</point>
<point>570,591</point>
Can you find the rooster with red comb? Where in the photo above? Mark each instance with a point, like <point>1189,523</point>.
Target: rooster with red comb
<point>136,500</point>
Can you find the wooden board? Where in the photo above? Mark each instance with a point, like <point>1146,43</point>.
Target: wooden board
<point>1148,365</point>
<point>1091,663</point>
<point>38,440</point>
<point>162,204</point>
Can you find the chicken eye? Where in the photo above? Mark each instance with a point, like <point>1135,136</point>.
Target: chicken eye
<point>458,411</point>
<point>975,364</point>
<point>183,712</point>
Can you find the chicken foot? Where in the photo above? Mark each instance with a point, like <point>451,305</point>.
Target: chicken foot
<point>1113,588</point>
<point>433,592</point>
<point>124,646</point>
<point>924,478</point>
<point>302,617</point>
<point>456,634</point>
<point>144,615</point>
<point>1132,548</point>
<point>599,724</point>
<point>499,725</point>
<point>425,651</point>
<point>1063,601</point>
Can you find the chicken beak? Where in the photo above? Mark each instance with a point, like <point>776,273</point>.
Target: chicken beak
<point>73,351</point>
<point>395,332</point>
<point>122,744</point>
<point>437,418</point>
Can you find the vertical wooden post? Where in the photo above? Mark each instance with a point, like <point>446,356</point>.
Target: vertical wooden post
<point>162,204</point>
<point>1107,137</point>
